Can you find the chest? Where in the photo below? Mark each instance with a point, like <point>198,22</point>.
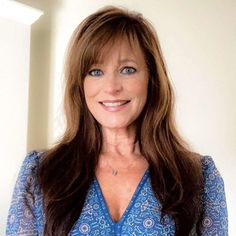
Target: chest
<point>141,217</point>
<point>118,190</point>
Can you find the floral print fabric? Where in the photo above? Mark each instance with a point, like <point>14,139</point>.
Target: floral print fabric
<point>141,218</point>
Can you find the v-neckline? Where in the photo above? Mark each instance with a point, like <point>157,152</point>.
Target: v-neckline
<point>104,205</point>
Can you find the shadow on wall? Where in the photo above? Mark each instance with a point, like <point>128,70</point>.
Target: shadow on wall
<point>40,73</point>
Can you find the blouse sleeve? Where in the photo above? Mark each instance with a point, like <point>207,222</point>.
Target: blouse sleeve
<point>23,214</point>
<point>215,217</point>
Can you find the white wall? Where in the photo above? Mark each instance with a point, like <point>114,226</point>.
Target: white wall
<point>199,43</point>
<point>14,80</point>
<point>14,87</point>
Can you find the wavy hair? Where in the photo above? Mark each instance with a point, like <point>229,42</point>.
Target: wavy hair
<point>68,168</point>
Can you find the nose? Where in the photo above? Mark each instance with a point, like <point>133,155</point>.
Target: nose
<point>112,83</point>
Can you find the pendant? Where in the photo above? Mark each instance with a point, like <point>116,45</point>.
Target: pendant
<point>114,172</point>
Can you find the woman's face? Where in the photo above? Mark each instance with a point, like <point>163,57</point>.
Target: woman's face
<point>116,87</point>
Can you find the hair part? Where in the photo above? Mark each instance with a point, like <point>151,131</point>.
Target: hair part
<point>67,169</point>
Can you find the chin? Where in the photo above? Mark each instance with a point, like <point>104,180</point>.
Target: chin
<point>115,125</point>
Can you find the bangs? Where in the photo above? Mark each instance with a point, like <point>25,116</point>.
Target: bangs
<point>100,42</point>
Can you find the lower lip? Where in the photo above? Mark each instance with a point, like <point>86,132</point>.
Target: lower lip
<point>115,108</point>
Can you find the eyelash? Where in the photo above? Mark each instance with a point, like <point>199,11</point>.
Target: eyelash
<point>91,72</point>
<point>127,70</point>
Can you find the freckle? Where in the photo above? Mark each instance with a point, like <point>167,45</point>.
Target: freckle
<point>129,190</point>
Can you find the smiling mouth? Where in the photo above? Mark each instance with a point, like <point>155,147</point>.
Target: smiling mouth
<point>114,104</point>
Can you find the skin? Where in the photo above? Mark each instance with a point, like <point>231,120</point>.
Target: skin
<point>123,78</point>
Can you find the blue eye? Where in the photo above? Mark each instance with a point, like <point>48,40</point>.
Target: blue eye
<point>95,72</point>
<point>128,70</point>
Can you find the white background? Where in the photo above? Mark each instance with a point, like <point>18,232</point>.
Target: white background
<point>198,39</point>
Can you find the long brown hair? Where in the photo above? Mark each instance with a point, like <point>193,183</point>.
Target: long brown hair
<point>67,169</point>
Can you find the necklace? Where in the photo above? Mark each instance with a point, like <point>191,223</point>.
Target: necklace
<point>114,171</point>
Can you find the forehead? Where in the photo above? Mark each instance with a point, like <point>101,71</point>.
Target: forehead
<point>122,50</point>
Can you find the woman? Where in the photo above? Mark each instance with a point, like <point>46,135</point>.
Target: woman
<point>121,167</point>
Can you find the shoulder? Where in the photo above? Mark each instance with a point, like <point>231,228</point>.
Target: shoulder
<point>213,199</point>
<point>30,165</point>
<point>208,166</point>
<point>32,159</point>
<point>209,170</point>
<point>26,205</point>
<point>27,183</point>
<point>212,179</point>
<point>207,162</point>
<point>28,175</point>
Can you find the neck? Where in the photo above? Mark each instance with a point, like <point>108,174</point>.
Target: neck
<point>119,142</point>
<point>120,153</point>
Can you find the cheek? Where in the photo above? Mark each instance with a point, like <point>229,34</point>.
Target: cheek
<point>140,89</point>
<point>90,90</point>
<point>141,93</point>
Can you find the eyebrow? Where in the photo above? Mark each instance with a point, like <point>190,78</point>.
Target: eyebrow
<point>127,60</point>
<point>99,63</point>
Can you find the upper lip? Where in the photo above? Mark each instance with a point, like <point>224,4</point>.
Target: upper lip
<point>117,100</point>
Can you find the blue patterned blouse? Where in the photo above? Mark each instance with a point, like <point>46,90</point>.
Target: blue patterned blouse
<point>141,218</point>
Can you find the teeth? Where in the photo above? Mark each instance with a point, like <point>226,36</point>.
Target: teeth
<point>113,104</point>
